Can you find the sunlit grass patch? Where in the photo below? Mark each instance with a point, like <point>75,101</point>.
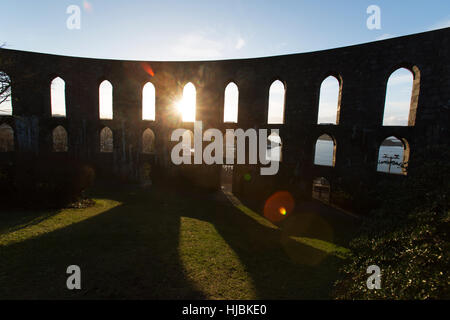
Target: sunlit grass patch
<point>54,222</point>
<point>211,264</point>
<point>324,246</point>
<point>249,212</point>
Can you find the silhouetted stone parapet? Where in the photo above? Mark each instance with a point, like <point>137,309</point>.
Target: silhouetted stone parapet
<point>362,72</point>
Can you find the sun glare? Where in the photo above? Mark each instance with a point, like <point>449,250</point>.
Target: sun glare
<point>186,106</point>
<point>179,106</point>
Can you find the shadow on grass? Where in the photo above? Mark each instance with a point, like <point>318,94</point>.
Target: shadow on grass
<point>129,251</point>
<point>280,267</point>
<point>15,219</point>
<point>133,252</point>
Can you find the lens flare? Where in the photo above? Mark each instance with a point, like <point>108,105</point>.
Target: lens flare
<point>87,6</point>
<point>247,177</point>
<point>148,69</point>
<point>308,238</point>
<point>278,206</point>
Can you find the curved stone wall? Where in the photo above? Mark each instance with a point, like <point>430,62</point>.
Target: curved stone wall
<point>363,71</point>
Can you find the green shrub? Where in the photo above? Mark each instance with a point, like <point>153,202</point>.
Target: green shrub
<point>407,237</point>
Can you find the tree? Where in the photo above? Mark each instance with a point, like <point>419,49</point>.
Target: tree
<point>5,89</point>
<point>5,86</point>
<point>25,79</point>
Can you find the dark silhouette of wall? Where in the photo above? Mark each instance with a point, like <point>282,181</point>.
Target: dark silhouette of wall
<point>363,71</point>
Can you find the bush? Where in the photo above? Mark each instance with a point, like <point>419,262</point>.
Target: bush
<point>44,183</point>
<point>407,237</point>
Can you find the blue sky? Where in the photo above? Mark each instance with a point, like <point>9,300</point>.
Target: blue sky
<point>204,30</point>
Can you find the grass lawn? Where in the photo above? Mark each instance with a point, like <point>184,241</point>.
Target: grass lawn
<point>159,243</point>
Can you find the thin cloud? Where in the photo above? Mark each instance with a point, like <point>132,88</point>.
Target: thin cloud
<point>399,105</point>
<point>240,43</point>
<point>395,120</point>
<point>197,46</point>
<point>205,45</point>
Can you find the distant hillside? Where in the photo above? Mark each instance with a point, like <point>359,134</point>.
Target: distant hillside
<point>386,143</point>
<point>392,143</point>
<point>325,137</point>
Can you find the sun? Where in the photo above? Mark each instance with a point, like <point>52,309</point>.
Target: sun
<point>187,104</point>
<point>179,106</point>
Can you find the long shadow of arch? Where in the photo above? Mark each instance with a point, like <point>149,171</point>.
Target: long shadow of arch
<point>109,248</point>
<point>25,219</point>
<point>279,267</point>
<point>129,252</point>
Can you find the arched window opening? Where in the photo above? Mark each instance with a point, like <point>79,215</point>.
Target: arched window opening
<point>5,95</point>
<point>186,106</point>
<point>58,97</point>
<point>148,102</point>
<point>148,141</point>
<point>321,189</point>
<point>329,101</point>
<point>398,102</point>
<point>230,113</point>
<point>6,138</point>
<point>393,156</point>
<point>274,153</point>
<point>275,113</point>
<point>325,151</point>
<point>60,139</point>
<point>106,100</point>
<point>106,140</point>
